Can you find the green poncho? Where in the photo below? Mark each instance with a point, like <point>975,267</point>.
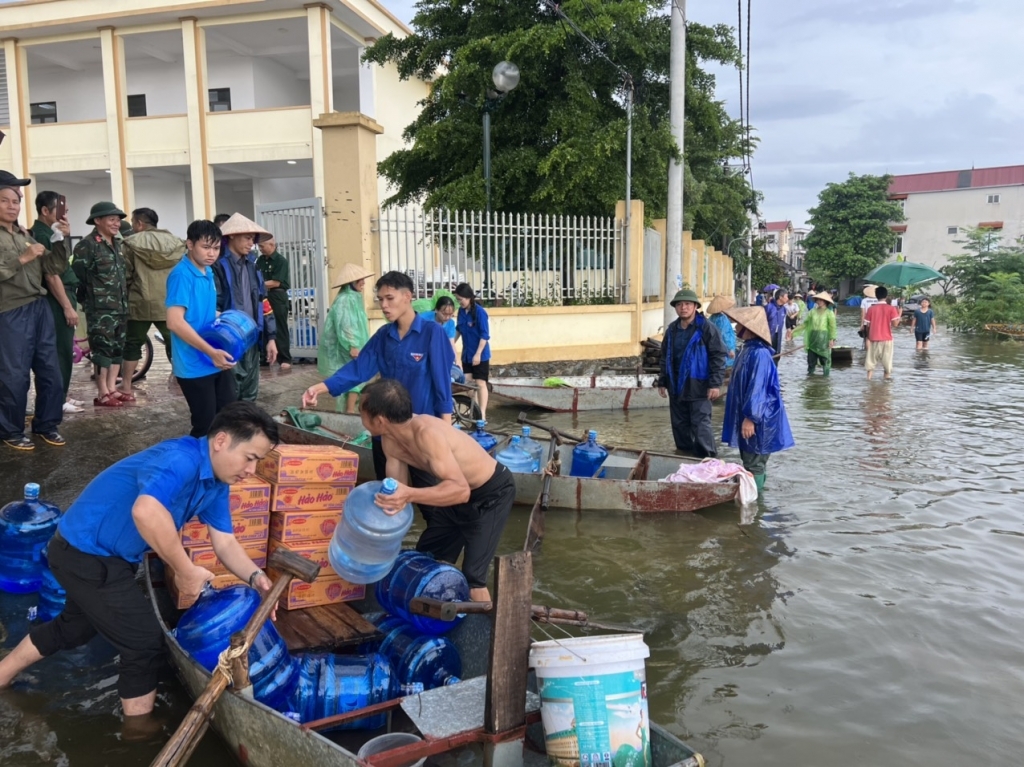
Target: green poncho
<point>346,328</point>
<point>819,328</point>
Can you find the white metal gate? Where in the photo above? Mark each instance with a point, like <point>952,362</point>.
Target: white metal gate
<point>298,227</point>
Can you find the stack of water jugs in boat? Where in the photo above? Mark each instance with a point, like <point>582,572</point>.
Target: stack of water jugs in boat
<point>26,527</point>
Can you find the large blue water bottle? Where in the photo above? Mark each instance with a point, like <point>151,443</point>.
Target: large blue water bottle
<point>25,528</point>
<point>233,331</point>
<point>485,440</point>
<point>336,684</point>
<point>367,540</point>
<point>51,595</point>
<point>588,456</point>
<point>515,458</point>
<point>418,575</point>
<point>205,630</point>
<point>417,659</point>
<point>534,448</point>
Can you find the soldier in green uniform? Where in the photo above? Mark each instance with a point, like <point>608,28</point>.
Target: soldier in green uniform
<point>274,268</point>
<point>60,295</point>
<point>103,292</point>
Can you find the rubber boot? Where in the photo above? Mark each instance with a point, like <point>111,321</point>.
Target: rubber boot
<point>759,481</point>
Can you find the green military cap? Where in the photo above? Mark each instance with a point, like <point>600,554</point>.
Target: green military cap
<point>126,228</point>
<point>686,294</point>
<point>101,209</point>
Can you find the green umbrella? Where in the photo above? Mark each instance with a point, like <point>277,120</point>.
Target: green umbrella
<point>903,273</point>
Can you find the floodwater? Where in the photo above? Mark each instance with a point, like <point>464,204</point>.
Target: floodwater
<point>871,613</point>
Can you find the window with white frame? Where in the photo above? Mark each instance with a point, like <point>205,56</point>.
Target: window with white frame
<point>993,199</point>
<point>897,247</point>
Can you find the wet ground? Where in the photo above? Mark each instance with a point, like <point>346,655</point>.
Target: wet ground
<point>870,614</point>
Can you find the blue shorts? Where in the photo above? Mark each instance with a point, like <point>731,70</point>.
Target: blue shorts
<point>922,336</point>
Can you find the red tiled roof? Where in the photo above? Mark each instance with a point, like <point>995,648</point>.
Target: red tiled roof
<point>990,225</point>
<point>976,178</point>
<point>779,226</point>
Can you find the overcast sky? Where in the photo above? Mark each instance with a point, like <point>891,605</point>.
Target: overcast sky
<point>871,86</point>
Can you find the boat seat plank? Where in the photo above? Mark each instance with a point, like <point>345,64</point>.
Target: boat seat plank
<point>323,628</point>
<point>446,711</point>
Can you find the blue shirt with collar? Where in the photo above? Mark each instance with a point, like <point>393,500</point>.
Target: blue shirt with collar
<point>421,362</point>
<point>177,473</point>
<point>474,328</point>
<point>195,290</point>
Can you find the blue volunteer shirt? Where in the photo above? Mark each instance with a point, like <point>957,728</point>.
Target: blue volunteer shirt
<point>177,473</point>
<point>421,362</point>
<point>196,291</point>
<point>448,327</point>
<point>473,328</point>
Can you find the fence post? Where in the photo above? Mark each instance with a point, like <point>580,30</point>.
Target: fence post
<point>634,253</point>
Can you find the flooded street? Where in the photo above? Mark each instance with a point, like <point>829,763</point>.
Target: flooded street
<point>871,613</point>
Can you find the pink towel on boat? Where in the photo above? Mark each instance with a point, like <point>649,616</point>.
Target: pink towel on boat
<point>715,470</point>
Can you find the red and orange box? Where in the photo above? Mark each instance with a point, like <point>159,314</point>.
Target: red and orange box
<point>250,496</point>
<point>302,526</point>
<point>314,551</point>
<point>204,556</point>
<point>309,464</point>
<point>248,528</point>
<point>310,497</point>
<point>325,590</point>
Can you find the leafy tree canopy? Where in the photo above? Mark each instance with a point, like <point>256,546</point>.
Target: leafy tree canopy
<point>987,280</point>
<point>766,268</point>
<point>851,234</point>
<point>558,141</point>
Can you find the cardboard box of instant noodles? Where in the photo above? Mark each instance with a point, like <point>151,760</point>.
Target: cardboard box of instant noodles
<point>306,464</point>
<point>325,590</point>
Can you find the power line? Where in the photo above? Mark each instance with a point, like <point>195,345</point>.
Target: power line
<point>750,169</point>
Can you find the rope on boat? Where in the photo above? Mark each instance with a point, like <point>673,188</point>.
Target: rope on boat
<point>224,660</point>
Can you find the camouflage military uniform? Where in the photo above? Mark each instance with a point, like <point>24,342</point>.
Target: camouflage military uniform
<point>103,293</point>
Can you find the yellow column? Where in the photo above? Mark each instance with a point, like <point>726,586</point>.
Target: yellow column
<point>321,82</point>
<point>635,250</point>
<point>122,191</point>
<point>684,265</point>
<point>17,104</point>
<point>660,225</point>
<point>193,38</point>
<point>350,192</point>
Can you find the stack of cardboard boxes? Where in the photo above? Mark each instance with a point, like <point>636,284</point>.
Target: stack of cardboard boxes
<point>309,485</point>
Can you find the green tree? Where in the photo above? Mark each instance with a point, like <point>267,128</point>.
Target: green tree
<point>766,268</point>
<point>986,279</point>
<point>851,234</point>
<point>559,140</point>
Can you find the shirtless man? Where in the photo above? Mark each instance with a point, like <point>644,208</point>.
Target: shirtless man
<point>464,494</point>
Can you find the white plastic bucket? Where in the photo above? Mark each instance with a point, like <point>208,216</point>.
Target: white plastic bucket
<point>594,700</point>
<point>389,741</point>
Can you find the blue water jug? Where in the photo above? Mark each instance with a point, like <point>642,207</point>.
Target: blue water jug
<point>367,540</point>
<point>485,440</point>
<point>515,458</point>
<point>51,596</point>
<point>25,528</point>
<point>534,448</point>
<point>419,575</point>
<point>233,331</point>
<point>427,660</point>
<point>205,630</point>
<point>335,684</point>
<point>588,456</point>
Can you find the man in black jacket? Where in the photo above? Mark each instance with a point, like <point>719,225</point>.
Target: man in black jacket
<point>692,371</point>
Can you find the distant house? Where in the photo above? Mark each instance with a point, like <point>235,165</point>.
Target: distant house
<point>940,206</point>
<point>787,242</point>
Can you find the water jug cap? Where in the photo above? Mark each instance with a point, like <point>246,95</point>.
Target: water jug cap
<point>515,440</point>
<point>31,491</point>
<point>592,435</point>
<point>388,486</point>
<point>481,424</point>
<point>526,431</point>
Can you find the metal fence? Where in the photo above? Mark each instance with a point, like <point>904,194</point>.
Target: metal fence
<point>510,259</point>
<point>653,268</point>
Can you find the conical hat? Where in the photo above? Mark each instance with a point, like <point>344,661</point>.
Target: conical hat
<point>869,290</point>
<point>351,273</point>
<point>753,318</point>
<point>826,297</point>
<point>239,224</point>
<point>720,304</point>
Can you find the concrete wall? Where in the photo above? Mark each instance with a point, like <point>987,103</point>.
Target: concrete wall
<point>229,70</point>
<point>163,85</point>
<point>267,190</point>
<point>81,198</point>
<point>277,86</point>
<point>79,95</point>
<point>396,110</point>
<point>929,215</point>
<point>167,197</point>
<point>232,197</point>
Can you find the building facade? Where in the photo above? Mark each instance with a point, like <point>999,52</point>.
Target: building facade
<point>940,206</point>
<point>188,108</point>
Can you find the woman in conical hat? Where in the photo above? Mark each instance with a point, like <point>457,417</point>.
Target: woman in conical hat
<point>715,315</point>
<point>346,330</point>
<point>819,329</point>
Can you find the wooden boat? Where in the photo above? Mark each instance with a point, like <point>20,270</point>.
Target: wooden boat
<point>630,482</point>
<point>259,736</point>
<point>1016,332</point>
<point>597,392</point>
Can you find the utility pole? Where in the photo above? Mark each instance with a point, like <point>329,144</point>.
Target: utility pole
<point>677,92</point>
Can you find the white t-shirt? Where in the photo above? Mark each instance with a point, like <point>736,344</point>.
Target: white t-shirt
<point>866,303</point>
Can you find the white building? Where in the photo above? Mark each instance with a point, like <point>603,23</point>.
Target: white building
<point>940,206</point>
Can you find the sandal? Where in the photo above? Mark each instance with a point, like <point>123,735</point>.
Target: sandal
<point>20,443</point>
<point>107,400</point>
<point>53,438</point>
<point>125,396</point>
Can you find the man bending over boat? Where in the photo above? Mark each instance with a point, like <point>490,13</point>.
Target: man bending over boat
<point>463,493</point>
<point>140,503</point>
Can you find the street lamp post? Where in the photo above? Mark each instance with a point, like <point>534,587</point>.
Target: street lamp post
<point>505,77</point>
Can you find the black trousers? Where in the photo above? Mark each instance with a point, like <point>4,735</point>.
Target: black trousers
<point>474,526</point>
<point>64,338</point>
<point>28,345</point>
<point>207,396</point>
<point>691,427</point>
<point>279,304</point>
<point>103,598</point>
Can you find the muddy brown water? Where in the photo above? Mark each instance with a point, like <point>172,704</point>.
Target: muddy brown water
<point>870,614</point>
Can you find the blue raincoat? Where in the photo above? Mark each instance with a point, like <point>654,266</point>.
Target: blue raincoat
<point>724,325</point>
<point>694,363</point>
<point>754,393</point>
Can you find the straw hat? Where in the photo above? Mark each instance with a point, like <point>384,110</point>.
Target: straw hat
<point>753,318</point>
<point>869,290</point>
<point>351,273</point>
<point>826,297</point>
<point>719,304</point>
<point>239,224</point>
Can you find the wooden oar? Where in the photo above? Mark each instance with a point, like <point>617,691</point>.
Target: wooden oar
<point>233,661</point>
<point>535,527</point>
<point>449,611</point>
<point>550,430</point>
<point>783,354</point>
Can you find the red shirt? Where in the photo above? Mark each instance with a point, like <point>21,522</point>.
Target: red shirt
<point>880,317</point>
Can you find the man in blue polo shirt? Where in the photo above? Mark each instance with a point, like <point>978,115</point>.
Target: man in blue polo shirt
<point>141,503</point>
<point>413,351</point>
<point>204,373</point>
